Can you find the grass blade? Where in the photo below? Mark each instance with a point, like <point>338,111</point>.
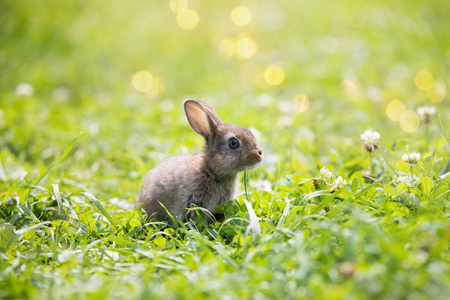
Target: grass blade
<point>388,163</point>
<point>59,201</point>
<point>254,223</point>
<point>447,165</point>
<point>68,148</point>
<point>100,208</point>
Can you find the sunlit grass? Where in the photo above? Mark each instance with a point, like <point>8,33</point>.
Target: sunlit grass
<point>90,102</point>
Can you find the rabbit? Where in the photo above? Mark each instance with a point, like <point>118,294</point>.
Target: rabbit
<point>205,179</point>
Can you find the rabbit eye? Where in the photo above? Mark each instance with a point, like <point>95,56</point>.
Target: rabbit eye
<point>233,143</point>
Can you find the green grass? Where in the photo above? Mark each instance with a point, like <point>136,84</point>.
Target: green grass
<point>74,153</point>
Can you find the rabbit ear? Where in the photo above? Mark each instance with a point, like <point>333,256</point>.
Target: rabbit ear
<point>202,117</point>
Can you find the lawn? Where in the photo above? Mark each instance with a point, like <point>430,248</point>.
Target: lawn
<point>91,97</point>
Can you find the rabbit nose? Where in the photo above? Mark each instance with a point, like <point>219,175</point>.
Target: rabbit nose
<point>260,150</point>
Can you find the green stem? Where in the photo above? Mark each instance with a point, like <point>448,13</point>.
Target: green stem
<point>372,169</point>
<point>246,185</point>
<point>427,135</point>
<point>445,169</point>
<point>412,174</point>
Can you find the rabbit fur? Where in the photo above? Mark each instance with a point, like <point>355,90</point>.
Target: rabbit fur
<point>205,179</point>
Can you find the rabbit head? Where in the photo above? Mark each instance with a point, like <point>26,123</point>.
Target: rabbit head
<point>228,149</point>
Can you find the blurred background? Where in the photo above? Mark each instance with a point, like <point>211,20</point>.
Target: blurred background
<point>309,76</point>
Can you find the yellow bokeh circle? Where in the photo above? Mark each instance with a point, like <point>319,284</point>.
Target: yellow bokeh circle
<point>274,75</point>
<point>188,19</point>
<point>409,121</point>
<point>226,47</point>
<point>245,47</point>
<point>157,87</point>
<point>178,6</point>
<point>350,86</point>
<point>436,92</point>
<point>423,80</point>
<point>395,109</point>
<point>241,16</point>
<point>300,103</point>
<point>142,81</point>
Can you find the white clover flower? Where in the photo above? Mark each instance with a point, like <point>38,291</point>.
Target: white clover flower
<point>285,121</point>
<point>330,180</point>
<point>61,94</point>
<point>326,174</point>
<point>264,100</point>
<point>412,158</point>
<point>262,185</point>
<point>426,113</point>
<point>24,90</point>
<point>370,138</point>
<point>323,171</point>
<point>285,107</point>
<point>166,105</point>
<point>404,179</point>
<point>339,183</point>
<point>426,110</point>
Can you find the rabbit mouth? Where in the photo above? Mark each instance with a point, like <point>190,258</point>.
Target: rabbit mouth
<point>253,166</point>
<point>253,162</point>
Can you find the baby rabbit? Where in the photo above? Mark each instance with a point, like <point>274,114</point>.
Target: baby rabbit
<point>205,179</point>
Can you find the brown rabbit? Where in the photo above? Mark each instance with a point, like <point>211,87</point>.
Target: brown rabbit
<point>205,179</point>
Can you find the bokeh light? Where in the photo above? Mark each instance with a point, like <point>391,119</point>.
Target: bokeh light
<point>142,81</point>
<point>436,92</point>
<point>409,121</point>
<point>226,47</point>
<point>178,6</point>
<point>423,80</point>
<point>395,109</point>
<point>300,103</point>
<point>24,90</point>
<point>188,19</point>
<point>157,87</point>
<point>274,75</point>
<point>245,47</point>
<point>350,86</point>
<point>241,16</point>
